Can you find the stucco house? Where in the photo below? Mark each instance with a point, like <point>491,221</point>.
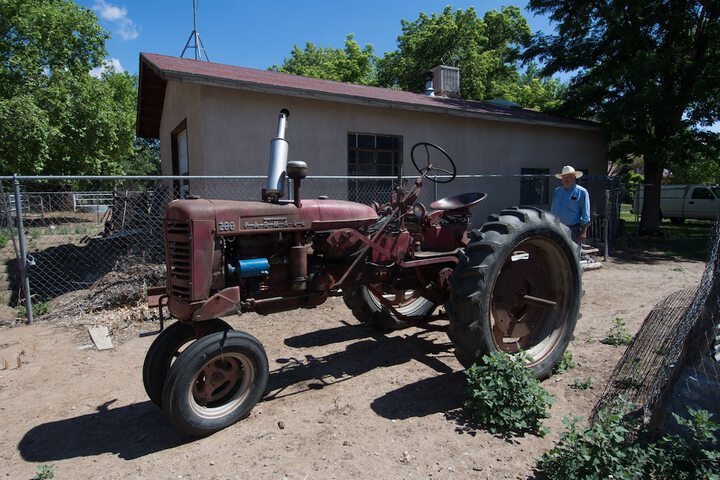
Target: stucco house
<point>215,119</point>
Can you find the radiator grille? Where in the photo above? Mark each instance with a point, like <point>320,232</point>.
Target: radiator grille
<point>179,252</point>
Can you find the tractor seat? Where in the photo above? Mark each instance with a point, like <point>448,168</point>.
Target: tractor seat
<point>458,202</point>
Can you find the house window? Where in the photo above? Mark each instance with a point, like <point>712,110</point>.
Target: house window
<point>534,190</point>
<point>372,155</point>
<point>180,162</point>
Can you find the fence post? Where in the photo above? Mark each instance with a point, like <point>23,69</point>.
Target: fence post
<point>22,259</point>
<point>605,226</point>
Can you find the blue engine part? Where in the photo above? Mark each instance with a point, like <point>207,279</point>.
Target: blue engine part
<point>252,267</point>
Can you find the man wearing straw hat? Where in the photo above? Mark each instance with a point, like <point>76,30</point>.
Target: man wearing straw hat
<point>571,203</point>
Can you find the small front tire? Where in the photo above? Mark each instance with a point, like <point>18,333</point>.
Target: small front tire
<point>166,347</point>
<point>215,382</point>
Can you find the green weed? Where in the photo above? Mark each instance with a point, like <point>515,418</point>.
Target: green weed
<point>566,363</point>
<point>581,383</point>
<point>504,397</point>
<point>609,448</point>
<point>44,472</point>
<point>618,335</point>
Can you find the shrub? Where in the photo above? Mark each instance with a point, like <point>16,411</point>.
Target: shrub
<point>504,397</point>
<point>4,239</point>
<point>609,449</point>
<point>37,308</point>
<point>603,450</point>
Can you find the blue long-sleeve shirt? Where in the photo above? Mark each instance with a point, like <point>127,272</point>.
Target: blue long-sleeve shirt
<point>571,206</point>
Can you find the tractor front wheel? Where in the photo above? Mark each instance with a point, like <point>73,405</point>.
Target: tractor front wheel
<point>215,382</point>
<point>516,288</point>
<point>165,349</point>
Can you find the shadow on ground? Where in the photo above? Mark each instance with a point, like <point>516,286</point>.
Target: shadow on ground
<point>140,429</point>
<point>371,350</point>
<point>130,432</point>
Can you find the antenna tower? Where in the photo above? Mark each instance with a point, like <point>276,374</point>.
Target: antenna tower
<point>197,43</point>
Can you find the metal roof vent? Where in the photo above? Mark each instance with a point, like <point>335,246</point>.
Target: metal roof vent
<point>429,91</point>
<point>446,81</point>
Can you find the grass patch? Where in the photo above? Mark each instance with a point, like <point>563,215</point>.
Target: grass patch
<point>689,241</point>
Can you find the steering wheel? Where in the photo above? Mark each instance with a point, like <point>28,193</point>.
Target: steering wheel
<point>430,167</point>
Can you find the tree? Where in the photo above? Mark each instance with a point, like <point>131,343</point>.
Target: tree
<point>649,72</point>
<point>486,50</point>
<point>57,119</point>
<point>533,90</point>
<point>353,64</point>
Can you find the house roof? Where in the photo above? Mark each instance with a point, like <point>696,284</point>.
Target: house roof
<point>157,70</point>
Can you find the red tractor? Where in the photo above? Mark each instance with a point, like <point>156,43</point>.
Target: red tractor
<point>511,285</point>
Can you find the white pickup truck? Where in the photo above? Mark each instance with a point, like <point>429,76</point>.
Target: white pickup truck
<point>678,202</point>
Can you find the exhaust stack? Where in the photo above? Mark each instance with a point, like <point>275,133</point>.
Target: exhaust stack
<point>275,188</point>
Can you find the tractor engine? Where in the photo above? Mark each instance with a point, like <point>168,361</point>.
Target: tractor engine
<point>227,256</point>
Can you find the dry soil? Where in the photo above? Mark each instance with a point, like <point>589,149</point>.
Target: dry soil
<point>342,400</point>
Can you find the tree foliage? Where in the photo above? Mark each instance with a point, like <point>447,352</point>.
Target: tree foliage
<point>353,64</point>
<point>58,119</point>
<point>648,71</point>
<point>487,51</point>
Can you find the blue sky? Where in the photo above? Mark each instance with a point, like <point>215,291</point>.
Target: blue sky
<point>260,34</point>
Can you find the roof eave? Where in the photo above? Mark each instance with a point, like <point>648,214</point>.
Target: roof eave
<point>363,100</point>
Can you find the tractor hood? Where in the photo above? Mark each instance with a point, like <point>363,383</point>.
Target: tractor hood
<point>247,217</point>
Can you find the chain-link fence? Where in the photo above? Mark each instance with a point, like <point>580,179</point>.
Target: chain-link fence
<point>75,230</point>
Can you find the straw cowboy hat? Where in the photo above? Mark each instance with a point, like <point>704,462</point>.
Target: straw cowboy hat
<point>569,170</point>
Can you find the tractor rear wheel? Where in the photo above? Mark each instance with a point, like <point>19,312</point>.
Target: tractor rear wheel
<point>517,288</point>
<point>215,382</point>
<point>365,305</point>
<point>165,349</point>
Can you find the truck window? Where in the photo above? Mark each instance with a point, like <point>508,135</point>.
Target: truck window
<point>702,193</point>
<point>716,191</point>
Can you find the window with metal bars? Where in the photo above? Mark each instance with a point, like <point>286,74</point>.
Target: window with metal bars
<point>372,155</point>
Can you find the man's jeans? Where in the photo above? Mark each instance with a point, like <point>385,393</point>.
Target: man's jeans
<point>575,235</point>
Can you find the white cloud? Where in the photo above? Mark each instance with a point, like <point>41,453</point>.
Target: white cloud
<point>110,63</point>
<point>109,12</point>
<point>118,15</point>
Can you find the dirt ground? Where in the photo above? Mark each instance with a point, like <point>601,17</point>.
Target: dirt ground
<point>342,400</point>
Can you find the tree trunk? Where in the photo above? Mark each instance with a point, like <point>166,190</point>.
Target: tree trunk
<point>651,215</point>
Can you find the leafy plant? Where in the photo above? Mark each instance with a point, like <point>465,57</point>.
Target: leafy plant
<point>4,239</point>
<point>579,383</point>
<point>691,455</point>
<point>603,450</point>
<point>618,335</point>
<point>504,397</point>
<point>610,449</point>
<point>38,309</point>
<point>44,472</point>
<point>566,363</point>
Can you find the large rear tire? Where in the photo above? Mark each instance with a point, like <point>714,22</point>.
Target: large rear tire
<point>366,307</point>
<point>166,347</point>
<point>517,288</point>
<point>215,382</point>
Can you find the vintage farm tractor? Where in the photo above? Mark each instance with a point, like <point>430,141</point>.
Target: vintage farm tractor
<point>511,285</point>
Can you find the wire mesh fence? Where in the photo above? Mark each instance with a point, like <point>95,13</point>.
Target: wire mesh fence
<point>78,229</point>
<point>673,362</point>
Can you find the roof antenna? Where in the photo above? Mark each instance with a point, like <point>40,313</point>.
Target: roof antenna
<point>195,37</point>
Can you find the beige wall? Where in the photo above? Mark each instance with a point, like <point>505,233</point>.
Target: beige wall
<point>229,133</point>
